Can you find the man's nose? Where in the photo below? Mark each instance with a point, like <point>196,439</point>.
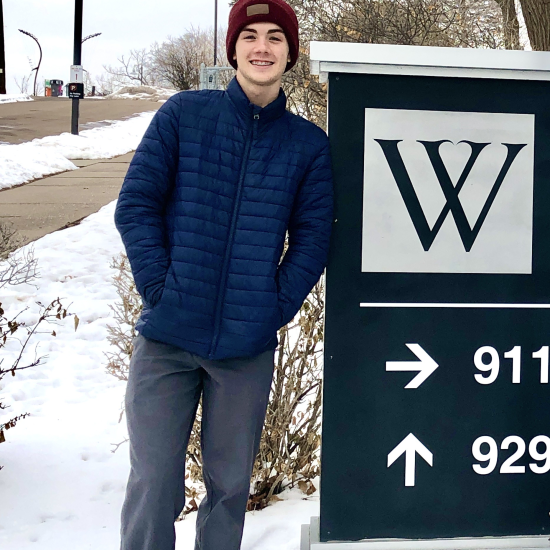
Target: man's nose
<point>262,45</point>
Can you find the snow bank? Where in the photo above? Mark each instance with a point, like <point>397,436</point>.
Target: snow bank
<point>26,162</point>
<point>149,93</point>
<point>62,486</point>
<point>14,98</point>
<point>41,157</point>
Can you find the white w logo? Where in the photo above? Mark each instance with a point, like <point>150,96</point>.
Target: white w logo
<point>468,234</point>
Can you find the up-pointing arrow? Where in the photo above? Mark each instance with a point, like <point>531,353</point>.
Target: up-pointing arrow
<point>410,446</point>
<point>426,366</point>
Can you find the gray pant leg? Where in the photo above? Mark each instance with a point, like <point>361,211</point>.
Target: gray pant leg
<point>162,395</point>
<point>235,399</point>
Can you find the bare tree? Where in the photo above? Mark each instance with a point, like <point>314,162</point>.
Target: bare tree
<point>105,84</point>
<point>173,63</point>
<point>536,14</point>
<point>510,24</point>
<point>177,61</point>
<point>455,23</point>
<point>136,68</point>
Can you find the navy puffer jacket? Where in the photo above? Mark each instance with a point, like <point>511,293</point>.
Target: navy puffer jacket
<point>203,212</point>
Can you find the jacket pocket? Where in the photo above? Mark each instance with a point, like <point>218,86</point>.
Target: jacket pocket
<point>156,293</point>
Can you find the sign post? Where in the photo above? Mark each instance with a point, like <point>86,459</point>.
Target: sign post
<point>76,85</point>
<point>436,432</point>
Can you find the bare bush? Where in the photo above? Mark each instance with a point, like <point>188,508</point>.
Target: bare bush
<point>9,239</point>
<point>23,84</point>
<point>10,329</point>
<point>126,312</point>
<point>20,267</point>
<point>16,267</point>
<point>289,449</point>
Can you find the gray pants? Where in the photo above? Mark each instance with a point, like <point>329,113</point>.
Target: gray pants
<point>164,387</point>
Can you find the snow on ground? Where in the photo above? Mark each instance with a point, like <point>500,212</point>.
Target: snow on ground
<point>14,98</point>
<point>62,486</point>
<point>41,157</point>
<point>150,93</point>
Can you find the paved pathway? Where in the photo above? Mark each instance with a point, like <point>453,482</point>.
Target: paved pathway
<point>48,116</point>
<point>55,202</point>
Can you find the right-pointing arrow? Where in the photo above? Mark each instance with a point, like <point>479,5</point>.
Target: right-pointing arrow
<point>410,446</point>
<point>426,366</point>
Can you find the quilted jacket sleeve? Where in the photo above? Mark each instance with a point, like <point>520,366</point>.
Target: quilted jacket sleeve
<point>142,201</point>
<point>309,234</point>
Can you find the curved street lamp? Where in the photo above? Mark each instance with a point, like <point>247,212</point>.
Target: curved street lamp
<point>90,36</point>
<point>37,68</point>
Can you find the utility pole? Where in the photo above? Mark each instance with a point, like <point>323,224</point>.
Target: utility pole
<point>77,58</point>
<point>2,53</point>
<point>215,31</point>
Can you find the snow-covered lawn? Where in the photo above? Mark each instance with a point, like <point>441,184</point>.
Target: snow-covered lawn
<point>13,98</point>
<point>41,157</point>
<point>62,486</point>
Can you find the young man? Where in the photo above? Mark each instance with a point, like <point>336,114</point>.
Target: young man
<point>217,181</point>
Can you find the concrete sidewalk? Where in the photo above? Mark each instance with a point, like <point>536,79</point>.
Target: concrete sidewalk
<point>55,202</point>
<point>49,116</point>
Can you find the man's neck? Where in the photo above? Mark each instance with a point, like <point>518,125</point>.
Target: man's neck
<point>259,95</point>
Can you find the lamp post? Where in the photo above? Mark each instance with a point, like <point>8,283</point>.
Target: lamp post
<point>37,68</point>
<point>215,31</point>
<point>77,59</point>
<point>2,53</point>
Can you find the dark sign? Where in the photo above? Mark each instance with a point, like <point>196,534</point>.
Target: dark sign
<point>436,393</point>
<point>76,90</point>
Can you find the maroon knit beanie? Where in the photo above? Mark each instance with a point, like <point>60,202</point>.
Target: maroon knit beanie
<point>247,12</point>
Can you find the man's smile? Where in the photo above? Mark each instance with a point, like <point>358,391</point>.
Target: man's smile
<point>259,63</point>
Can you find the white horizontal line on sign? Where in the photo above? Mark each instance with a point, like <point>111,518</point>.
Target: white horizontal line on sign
<point>456,305</point>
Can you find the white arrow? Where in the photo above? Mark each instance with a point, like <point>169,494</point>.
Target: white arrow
<point>426,366</point>
<point>410,446</point>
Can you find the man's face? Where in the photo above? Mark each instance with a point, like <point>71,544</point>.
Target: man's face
<point>262,53</point>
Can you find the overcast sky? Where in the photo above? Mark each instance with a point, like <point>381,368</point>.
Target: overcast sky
<point>124,24</point>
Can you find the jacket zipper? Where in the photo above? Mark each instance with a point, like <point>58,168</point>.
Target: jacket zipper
<point>225,267</point>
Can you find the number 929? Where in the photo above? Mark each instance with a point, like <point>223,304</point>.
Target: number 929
<point>485,450</point>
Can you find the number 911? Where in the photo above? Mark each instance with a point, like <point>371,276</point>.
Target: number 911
<point>490,457</point>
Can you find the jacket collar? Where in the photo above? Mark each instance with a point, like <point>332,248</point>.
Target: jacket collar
<point>247,110</point>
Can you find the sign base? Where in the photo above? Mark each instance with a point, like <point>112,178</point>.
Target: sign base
<point>310,541</point>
